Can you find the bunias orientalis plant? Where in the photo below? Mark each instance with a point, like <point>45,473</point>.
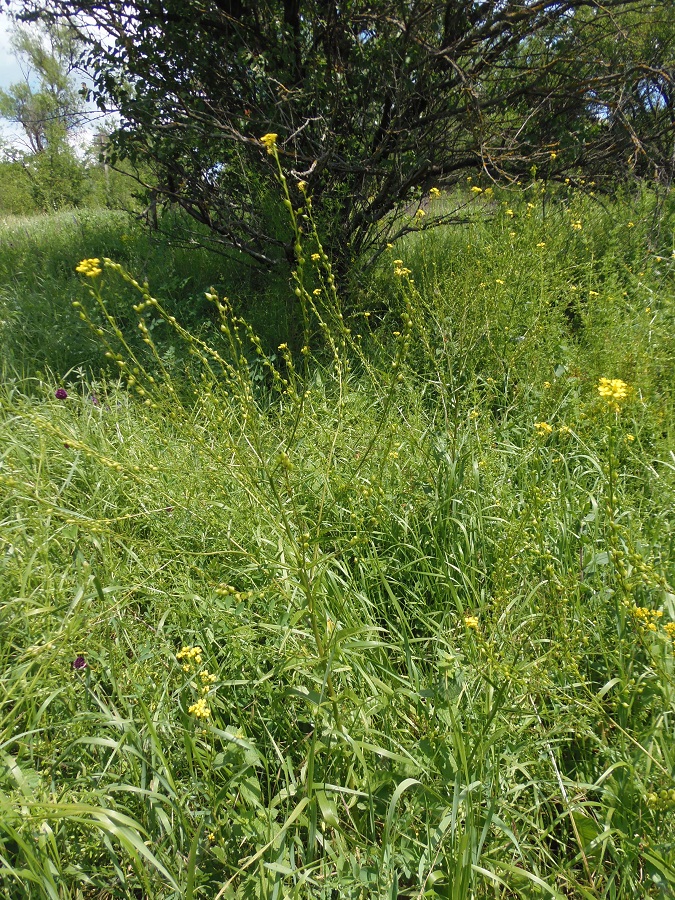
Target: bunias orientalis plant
<point>253,430</point>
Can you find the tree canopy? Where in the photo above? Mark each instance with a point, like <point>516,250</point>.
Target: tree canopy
<point>373,103</point>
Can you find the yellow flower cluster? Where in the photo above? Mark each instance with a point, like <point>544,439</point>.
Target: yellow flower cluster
<point>399,268</point>
<point>191,655</point>
<point>90,267</point>
<point>577,226</point>
<point>472,622</point>
<point>434,193</point>
<point>207,680</point>
<point>645,616</point>
<point>543,428</point>
<point>613,390</point>
<point>200,709</point>
<point>476,190</point>
<point>669,629</point>
<point>270,142</point>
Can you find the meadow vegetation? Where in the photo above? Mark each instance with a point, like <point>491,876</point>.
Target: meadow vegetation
<point>370,596</point>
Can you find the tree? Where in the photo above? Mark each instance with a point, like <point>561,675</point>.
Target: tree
<point>49,108</point>
<point>373,102</point>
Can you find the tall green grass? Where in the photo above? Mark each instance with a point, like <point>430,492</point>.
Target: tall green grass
<point>433,635</point>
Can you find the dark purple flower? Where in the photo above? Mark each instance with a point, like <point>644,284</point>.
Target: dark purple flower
<point>61,394</point>
<point>80,663</point>
<point>94,400</point>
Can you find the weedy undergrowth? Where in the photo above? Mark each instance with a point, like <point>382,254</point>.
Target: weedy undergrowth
<point>371,615</point>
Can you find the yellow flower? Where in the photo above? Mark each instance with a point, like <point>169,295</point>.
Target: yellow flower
<point>630,438</point>
<point>499,281</point>
<point>476,190</point>
<point>191,655</point>
<point>541,244</point>
<point>547,384</point>
<point>472,622</point>
<point>577,226</point>
<point>316,256</point>
<point>420,214</point>
<point>270,141</point>
<point>554,155</point>
<point>543,428</point>
<point>593,294</point>
<point>434,193</point>
<point>200,709</point>
<point>510,212</point>
<point>669,629</point>
<point>316,291</point>
<point>401,271</point>
<point>631,225</point>
<point>302,186</point>
<point>90,267</point>
<point>613,390</point>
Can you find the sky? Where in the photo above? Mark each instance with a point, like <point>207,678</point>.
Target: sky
<point>10,72</point>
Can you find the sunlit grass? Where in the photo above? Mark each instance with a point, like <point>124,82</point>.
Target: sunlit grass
<point>388,618</point>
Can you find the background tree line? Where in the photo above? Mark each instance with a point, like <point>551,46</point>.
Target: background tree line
<point>374,103</point>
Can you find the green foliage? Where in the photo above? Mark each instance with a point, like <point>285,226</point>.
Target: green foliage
<point>374,103</point>
<point>432,641</point>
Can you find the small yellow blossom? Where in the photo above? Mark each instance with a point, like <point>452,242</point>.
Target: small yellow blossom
<point>512,234</point>
<point>472,622</point>
<point>530,205</point>
<point>554,155</point>
<point>669,629</point>
<point>420,214</point>
<point>316,256</point>
<point>510,212</point>
<point>474,414</point>
<point>401,271</point>
<point>282,347</point>
<point>631,225</point>
<point>200,709</point>
<point>547,384</point>
<point>316,291</point>
<point>543,428</point>
<point>434,193</point>
<point>593,294</point>
<point>630,438</point>
<point>270,141</point>
<point>499,281</point>
<point>191,655</point>
<point>302,186</point>
<point>90,267</point>
<point>476,190</point>
<point>645,616</point>
<point>577,226</point>
<point>541,244</point>
<point>613,390</point>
